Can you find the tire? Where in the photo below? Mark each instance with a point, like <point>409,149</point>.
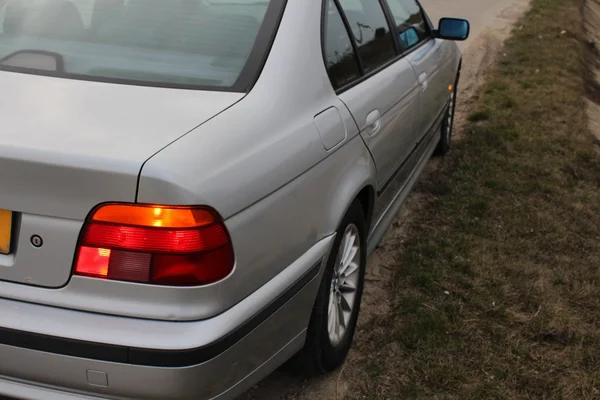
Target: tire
<point>447,125</point>
<point>324,352</point>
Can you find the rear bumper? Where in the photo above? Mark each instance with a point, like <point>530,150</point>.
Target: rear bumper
<point>50,353</point>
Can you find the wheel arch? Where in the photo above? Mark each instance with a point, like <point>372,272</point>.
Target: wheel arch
<point>356,184</point>
<point>366,198</point>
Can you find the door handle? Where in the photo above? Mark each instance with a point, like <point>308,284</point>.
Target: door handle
<point>373,122</point>
<point>423,81</point>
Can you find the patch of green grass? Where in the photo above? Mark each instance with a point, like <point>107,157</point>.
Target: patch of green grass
<point>497,292</point>
<point>424,323</point>
<point>495,86</point>
<point>480,115</point>
<point>507,102</point>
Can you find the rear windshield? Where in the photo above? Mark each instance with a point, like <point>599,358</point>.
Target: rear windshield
<point>198,43</point>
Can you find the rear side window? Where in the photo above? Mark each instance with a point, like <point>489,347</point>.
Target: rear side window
<point>411,25</point>
<point>371,32</point>
<point>199,43</point>
<point>340,59</point>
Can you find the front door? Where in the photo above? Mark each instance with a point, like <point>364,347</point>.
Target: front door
<point>427,55</point>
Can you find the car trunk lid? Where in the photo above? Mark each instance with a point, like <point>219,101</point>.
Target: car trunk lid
<point>67,146</point>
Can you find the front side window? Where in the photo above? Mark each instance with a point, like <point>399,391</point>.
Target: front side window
<point>340,59</point>
<point>371,32</point>
<point>411,25</point>
<point>204,43</point>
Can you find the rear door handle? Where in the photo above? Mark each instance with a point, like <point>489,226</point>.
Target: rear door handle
<point>373,122</point>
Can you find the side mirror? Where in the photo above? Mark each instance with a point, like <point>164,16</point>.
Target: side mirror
<point>453,29</point>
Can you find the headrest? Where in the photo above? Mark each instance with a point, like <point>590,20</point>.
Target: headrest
<point>105,10</point>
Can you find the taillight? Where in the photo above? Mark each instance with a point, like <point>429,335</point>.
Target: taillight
<point>160,245</point>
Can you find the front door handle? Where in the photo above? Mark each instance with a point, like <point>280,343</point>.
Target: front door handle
<point>373,122</point>
<point>423,81</point>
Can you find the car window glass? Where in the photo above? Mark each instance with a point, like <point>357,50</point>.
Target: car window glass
<point>181,42</point>
<point>2,12</point>
<point>340,59</point>
<point>412,27</point>
<point>371,32</point>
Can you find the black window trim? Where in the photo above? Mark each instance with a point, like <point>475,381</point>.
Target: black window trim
<point>262,47</point>
<point>427,18</point>
<point>399,55</point>
<point>361,67</point>
<point>244,83</point>
<point>324,15</point>
<point>392,22</point>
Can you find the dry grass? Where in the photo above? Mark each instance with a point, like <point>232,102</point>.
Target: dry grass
<point>497,293</point>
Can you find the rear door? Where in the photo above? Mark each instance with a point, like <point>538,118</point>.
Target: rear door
<point>378,86</point>
<point>428,57</point>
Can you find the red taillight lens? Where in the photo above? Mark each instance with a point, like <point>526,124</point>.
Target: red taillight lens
<point>173,246</point>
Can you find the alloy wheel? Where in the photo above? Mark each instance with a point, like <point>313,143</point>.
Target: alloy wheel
<point>344,284</point>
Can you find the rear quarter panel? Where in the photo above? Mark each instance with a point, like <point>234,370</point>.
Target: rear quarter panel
<point>263,166</point>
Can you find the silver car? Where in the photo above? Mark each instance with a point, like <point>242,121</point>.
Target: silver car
<point>190,188</point>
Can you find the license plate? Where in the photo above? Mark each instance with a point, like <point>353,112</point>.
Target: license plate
<point>5,231</point>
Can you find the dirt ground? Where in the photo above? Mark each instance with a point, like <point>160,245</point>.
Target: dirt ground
<point>492,22</point>
<point>592,27</point>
